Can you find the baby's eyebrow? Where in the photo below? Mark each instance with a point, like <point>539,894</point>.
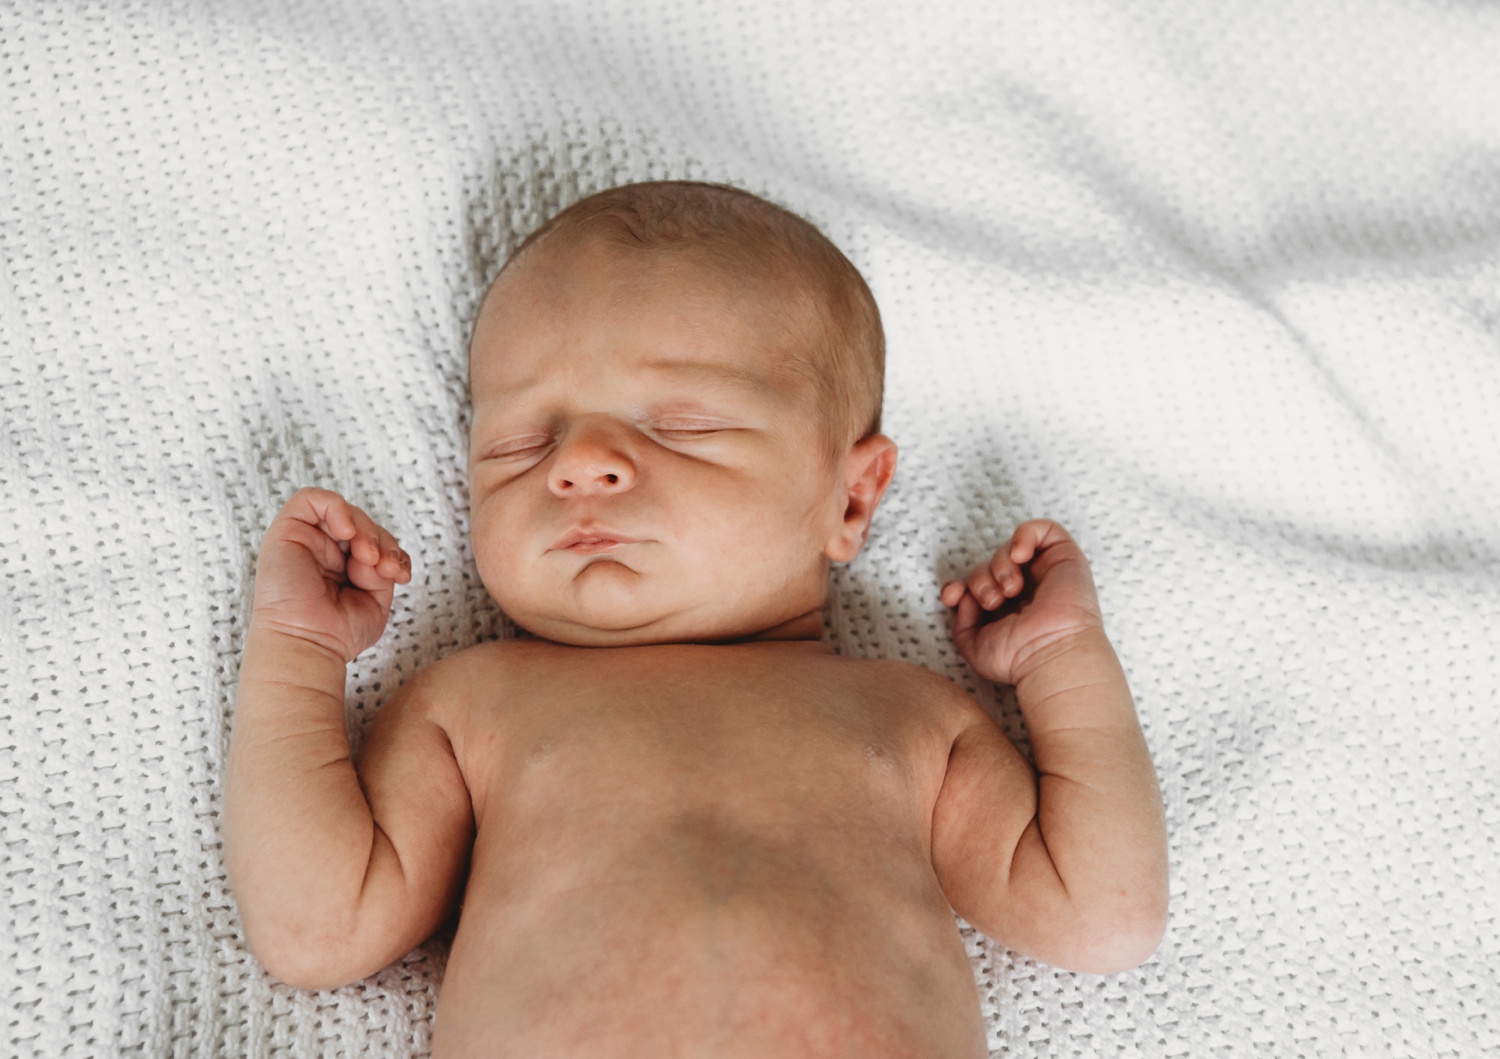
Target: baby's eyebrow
<point>712,377</point>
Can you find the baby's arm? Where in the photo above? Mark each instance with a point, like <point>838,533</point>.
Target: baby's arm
<point>1070,867</point>
<point>334,879</point>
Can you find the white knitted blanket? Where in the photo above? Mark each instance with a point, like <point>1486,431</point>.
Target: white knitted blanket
<point>1215,285</point>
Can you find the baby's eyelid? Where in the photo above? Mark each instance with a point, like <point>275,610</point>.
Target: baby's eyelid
<point>687,424</point>
<point>519,446</point>
<point>679,433</point>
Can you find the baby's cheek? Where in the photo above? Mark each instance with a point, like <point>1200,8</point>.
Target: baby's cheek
<point>493,559</point>
<point>770,547</point>
<point>488,575</point>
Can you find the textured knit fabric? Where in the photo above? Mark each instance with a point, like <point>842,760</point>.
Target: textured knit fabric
<point>1217,286</point>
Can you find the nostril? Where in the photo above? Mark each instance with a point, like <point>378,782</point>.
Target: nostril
<point>612,479</point>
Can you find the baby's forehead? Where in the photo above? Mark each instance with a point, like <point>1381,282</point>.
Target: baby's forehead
<point>571,269</point>
<point>683,296</point>
<point>735,257</point>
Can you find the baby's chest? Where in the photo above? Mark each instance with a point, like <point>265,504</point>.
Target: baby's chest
<point>708,841</point>
<point>759,752</point>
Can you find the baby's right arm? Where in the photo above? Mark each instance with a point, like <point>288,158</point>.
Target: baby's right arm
<point>335,872</point>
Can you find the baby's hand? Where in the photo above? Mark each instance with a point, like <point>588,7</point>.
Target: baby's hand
<point>1036,590</point>
<point>327,573</point>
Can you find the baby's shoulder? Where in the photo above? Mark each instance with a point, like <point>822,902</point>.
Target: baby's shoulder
<point>912,682</point>
<point>454,680</point>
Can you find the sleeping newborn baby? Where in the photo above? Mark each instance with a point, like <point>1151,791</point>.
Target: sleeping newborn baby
<point>677,824</point>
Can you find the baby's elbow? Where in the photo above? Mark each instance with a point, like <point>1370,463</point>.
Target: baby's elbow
<point>304,961</point>
<point>1124,941</point>
<point>301,973</point>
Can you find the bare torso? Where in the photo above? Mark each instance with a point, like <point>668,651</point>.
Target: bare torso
<point>703,851</point>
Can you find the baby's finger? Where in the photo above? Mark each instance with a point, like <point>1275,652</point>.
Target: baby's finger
<point>362,545</point>
<point>966,627</point>
<point>370,579</point>
<point>983,587</point>
<point>1033,536</point>
<point>1023,545</point>
<point>386,540</point>
<point>323,508</point>
<point>306,538</point>
<point>1008,574</point>
<point>952,592</point>
<point>375,549</point>
<point>367,545</point>
<point>394,562</point>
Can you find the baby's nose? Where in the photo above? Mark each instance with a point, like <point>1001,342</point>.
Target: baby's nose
<point>591,460</point>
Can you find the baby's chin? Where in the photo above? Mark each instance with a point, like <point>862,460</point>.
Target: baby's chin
<point>613,606</point>
<point>704,625</point>
<point>604,607</point>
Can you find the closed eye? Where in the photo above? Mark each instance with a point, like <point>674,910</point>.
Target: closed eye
<point>517,448</point>
<point>685,430</point>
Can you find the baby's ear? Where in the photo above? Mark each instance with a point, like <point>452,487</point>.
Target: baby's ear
<point>868,468</point>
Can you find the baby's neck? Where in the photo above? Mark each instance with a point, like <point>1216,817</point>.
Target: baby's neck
<point>804,628</point>
<point>807,626</point>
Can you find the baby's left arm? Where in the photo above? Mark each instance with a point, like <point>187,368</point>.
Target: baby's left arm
<point>1067,863</point>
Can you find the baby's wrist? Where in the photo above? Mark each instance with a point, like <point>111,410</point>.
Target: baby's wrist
<point>1064,653</point>
<point>271,642</point>
<point>1077,684</point>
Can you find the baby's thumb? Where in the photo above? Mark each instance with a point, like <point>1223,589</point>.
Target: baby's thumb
<point>966,627</point>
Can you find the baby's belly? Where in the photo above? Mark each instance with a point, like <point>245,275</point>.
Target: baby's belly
<point>692,935</point>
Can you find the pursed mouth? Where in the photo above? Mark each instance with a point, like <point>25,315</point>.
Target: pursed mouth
<point>594,545</point>
<point>591,542</point>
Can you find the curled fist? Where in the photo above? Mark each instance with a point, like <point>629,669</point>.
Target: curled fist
<point>327,573</point>
<point>1035,591</point>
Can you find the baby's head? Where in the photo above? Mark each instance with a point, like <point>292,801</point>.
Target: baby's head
<point>676,395</point>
